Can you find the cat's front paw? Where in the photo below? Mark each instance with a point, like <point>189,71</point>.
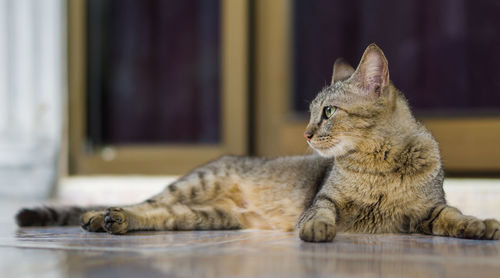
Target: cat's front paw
<point>471,228</point>
<point>93,221</point>
<point>318,228</point>
<point>116,221</point>
<point>492,230</point>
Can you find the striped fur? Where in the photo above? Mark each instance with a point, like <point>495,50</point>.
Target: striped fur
<point>377,170</point>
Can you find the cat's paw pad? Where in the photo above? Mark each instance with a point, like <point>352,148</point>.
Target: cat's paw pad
<point>472,228</point>
<point>492,229</point>
<point>317,229</point>
<point>92,221</point>
<point>116,221</point>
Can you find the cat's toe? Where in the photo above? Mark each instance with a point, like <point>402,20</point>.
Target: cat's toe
<point>317,230</point>
<point>116,221</point>
<point>470,228</point>
<point>92,221</point>
<point>492,229</point>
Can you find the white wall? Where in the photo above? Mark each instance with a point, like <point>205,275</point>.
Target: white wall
<point>32,86</point>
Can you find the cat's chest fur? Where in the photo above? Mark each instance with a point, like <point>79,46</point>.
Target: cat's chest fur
<point>374,202</point>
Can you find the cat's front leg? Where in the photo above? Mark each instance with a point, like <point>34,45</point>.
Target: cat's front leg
<point>445,220</point>
<point>317,223</point>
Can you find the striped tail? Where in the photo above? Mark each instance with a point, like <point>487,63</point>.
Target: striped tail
<point>52,216</point>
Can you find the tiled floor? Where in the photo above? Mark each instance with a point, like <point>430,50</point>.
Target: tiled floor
<point>60,252</point>
<point>70,252</point>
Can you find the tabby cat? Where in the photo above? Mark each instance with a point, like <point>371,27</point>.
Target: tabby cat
<point>378,171</point>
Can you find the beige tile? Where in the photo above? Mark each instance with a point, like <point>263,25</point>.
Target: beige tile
<point>70,252</point>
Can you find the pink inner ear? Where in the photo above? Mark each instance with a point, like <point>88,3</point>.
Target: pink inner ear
<point>375,81</point>
<point>373,71</point>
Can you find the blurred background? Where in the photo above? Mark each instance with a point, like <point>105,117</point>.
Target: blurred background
<point>157,87</point>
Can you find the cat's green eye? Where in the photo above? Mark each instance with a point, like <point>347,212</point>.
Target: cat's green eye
<point>328,111</point>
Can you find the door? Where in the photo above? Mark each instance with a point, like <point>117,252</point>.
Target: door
<point>156,87</point>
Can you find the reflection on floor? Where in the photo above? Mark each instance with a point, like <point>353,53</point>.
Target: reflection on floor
<point>70,252</point>
<point>73,253</point>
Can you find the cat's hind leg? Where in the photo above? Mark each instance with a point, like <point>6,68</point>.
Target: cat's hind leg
<point>445,220</point>
<point>206,198</point>
<point>120,220</point>
<point>93,221</point>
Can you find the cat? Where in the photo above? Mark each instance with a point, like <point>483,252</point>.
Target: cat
<point>375,170</point>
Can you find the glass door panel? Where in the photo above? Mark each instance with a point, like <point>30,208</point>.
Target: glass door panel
<point>442,54</point>
<point>156,86</point>
<point>153,72</point>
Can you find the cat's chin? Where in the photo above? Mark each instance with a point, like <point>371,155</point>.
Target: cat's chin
<point>339,149</point>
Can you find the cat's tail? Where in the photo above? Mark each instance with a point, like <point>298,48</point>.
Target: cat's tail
<point>52,216</point>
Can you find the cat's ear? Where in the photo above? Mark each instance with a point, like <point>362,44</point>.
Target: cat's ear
<point>341,70</point>
<point>373,71</point>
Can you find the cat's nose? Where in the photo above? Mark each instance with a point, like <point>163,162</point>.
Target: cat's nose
<point>308,135</point>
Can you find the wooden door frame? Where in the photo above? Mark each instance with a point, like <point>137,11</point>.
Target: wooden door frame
<point>164,159</point>
<point>468,144</point>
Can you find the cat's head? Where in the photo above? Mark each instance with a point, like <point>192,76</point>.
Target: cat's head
<point>354,105</point>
